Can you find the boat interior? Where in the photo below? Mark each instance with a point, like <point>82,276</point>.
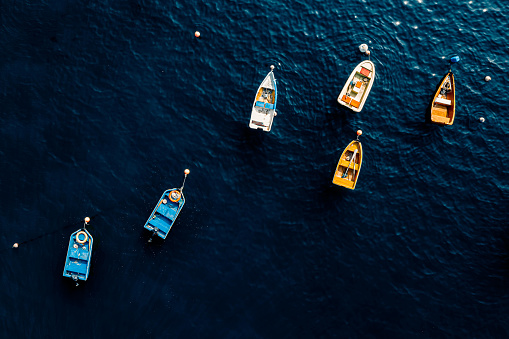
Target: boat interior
<point>357,88</point>
<point>78,258</point>
<point>265,98</point>
<point>443,105</point>
<point>348,166</point>
<point>345,168</point>
<point>164,215</point>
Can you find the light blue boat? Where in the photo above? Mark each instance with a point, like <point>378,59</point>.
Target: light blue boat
<point>79,254</point>
<point>166,211</point>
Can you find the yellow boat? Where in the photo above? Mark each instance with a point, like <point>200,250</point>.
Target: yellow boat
<point>443,106</point>
<point>349,165</point>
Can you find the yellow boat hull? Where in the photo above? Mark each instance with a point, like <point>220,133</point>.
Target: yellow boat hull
<point>443,106</point>
<point>348,169</point>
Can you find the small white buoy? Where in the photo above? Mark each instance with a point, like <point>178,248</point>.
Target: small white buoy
<point>87,220</point>
<point>481,119</point>
<point>16,245</point>
<point>197,34</point>
<point>186,172</point>
<point>487,78</point>
<point>368,52</point>
<point>363,48</point>
<point>359,132</point>
<point>272,67</point>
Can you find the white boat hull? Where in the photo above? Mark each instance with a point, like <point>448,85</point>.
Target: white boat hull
<point>264,105</point>
<point>354,95</point>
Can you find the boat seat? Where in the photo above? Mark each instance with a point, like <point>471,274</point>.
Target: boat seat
<point>269,106</point>
<point>440,119</point>
<point>345,163</point>
<point>365,71</point>
<point>346,99</point>
<point>439,110</point>
<point>80,268</point>
<point>355,103</point>
<point>168,212</point>
<point>257,123</point>
<point>358,84</point>
<point>443,101</point>
<point>79,253</point>
<point>337,180</point>
<point>160,224</point>
<point>260,104</point>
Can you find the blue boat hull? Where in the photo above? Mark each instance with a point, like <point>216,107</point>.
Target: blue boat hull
<point>164,214</point>
<point>79,255</point>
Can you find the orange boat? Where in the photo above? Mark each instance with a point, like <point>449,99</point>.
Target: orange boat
<point>349,165</point>
<point>443,106</point>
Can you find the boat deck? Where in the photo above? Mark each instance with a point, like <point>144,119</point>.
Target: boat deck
<point>261,117</point>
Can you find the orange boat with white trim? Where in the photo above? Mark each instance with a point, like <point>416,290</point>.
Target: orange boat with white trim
<point>349,165</point>
<point>357,88</point>
<point>443,107</point>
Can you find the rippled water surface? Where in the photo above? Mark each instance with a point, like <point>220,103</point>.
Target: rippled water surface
<point>103,104</point>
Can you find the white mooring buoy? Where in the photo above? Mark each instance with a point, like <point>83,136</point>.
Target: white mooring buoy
<point>363,48</point>
<point>487,78</point>
<point>481,119</point>
<point>16,245</point>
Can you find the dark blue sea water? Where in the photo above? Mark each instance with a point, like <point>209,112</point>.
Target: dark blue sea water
<point>103,104</point>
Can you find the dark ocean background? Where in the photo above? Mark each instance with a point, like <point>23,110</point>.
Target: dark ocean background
<point>103,104</point>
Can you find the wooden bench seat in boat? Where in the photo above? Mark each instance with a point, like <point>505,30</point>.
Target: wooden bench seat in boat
<point>79,253</point>
<point>160,224</point>
<point>168,211</point>
<point>355,103</point>
<point>343,182</point>
<point>440,119</point>
<point>443,101</point>
<point>439,110</point>
<point>346,99</point>
<point>260,104</point>
<point>269,106</point>
<point>345,163</point>
<point>77,267</point>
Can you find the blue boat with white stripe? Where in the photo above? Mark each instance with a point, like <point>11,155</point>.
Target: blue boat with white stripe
<point>79,254</point>
<point>264,105</point>
<point>166,211</point>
